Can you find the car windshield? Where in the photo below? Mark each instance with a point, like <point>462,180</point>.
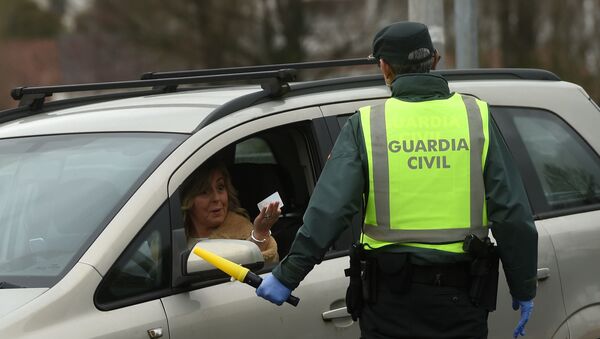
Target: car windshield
<point>57,193</point>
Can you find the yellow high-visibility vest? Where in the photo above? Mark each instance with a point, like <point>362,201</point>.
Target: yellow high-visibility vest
<point>426,162</point>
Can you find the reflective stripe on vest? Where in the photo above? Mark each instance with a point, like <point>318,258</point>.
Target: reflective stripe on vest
<point>431,149</point>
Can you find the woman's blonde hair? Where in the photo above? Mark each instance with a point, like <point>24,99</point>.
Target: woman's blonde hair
<point>199,182</point>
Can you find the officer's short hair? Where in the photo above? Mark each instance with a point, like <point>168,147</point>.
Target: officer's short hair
<point>421,67</point>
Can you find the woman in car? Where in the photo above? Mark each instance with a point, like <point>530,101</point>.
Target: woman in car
<point>212,210</point>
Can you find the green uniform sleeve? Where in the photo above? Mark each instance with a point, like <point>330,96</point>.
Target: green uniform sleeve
<point>511,220</point>
<point>337,197</point>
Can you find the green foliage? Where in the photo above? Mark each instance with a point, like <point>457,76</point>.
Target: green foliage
<point>24,19</point>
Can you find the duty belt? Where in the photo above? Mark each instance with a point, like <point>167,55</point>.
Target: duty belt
<point>454,275</point>
<point>389,265</point>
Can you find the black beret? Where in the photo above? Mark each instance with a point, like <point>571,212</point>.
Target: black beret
<point>393,43</point>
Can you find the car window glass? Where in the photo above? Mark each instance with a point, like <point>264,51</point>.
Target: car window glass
<point>58,192</point>
<point>254,150</point>
<point>143,268</point>
<point>568,169</point>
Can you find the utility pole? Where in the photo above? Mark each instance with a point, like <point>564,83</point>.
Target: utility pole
<point>430,13</point>
<point>465,25</point>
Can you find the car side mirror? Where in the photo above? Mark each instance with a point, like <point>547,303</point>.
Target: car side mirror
<point>241,252</point>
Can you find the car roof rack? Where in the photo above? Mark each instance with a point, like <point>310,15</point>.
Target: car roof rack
<point>261,68</point>
<point>273,82</point>
<point>272,78</point>
<point>497,73</point>
<point>450,74</point>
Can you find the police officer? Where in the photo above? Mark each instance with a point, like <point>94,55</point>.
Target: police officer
<point>431,169</point>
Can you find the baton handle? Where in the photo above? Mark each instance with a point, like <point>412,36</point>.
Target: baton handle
<point>254,280</point>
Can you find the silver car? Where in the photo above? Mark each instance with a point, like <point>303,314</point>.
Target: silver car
<point>92,242</point>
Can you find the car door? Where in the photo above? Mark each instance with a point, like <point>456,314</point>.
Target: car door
<point>549,305</point>
<point>561,172</point>
<point>221,308</point>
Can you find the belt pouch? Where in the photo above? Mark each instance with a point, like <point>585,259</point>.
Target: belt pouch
<point>395,271</point>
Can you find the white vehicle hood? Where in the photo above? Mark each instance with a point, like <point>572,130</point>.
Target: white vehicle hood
<point>13,298</point>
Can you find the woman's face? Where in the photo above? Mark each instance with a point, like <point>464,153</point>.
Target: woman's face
<point>210,207</point>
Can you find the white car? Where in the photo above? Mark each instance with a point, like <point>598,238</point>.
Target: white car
<point>92,242</point>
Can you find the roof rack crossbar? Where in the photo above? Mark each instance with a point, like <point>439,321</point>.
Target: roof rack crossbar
<point>261,68</point>
<point>35,96</point>
<point>497,73</point>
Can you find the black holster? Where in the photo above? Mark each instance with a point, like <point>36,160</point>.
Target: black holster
<point>366,269</point>
<point>483,289</point>
<point>362,281</point>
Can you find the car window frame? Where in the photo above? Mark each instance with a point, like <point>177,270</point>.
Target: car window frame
<point>317,136</point>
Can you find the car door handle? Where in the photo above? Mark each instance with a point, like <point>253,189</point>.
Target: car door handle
<point>341,312</point>
<point>543,273</point>
<point>155,333</point>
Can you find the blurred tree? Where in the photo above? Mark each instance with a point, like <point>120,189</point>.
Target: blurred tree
<point>519,32</point>
<point>570,44</point>
<point>561,36</point>
<point>125,38</point>
<point>202,33</point>
<point>508,33</point>
<point>284,44</point>
<point>58,7</point>
<point>25,19</point>
<point>116,39</point>
<point>29,54</point>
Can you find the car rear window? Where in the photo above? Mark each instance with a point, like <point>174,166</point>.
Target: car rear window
<point>565,167</point>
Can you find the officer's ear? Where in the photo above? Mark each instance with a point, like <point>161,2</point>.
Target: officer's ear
<point>388,72</point>
<point>436,59</point>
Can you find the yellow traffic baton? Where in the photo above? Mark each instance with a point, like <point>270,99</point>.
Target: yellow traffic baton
<point>238,272</point>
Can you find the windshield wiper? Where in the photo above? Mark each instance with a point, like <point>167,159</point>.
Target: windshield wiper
<point>5,284</point>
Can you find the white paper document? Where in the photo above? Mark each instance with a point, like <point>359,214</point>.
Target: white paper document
<point>271,198</point>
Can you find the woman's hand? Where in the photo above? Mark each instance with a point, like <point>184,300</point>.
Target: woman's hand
<point>265,220</point>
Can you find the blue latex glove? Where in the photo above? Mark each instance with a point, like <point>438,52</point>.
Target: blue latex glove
<point>273,290</point>
<point>526,308</point>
